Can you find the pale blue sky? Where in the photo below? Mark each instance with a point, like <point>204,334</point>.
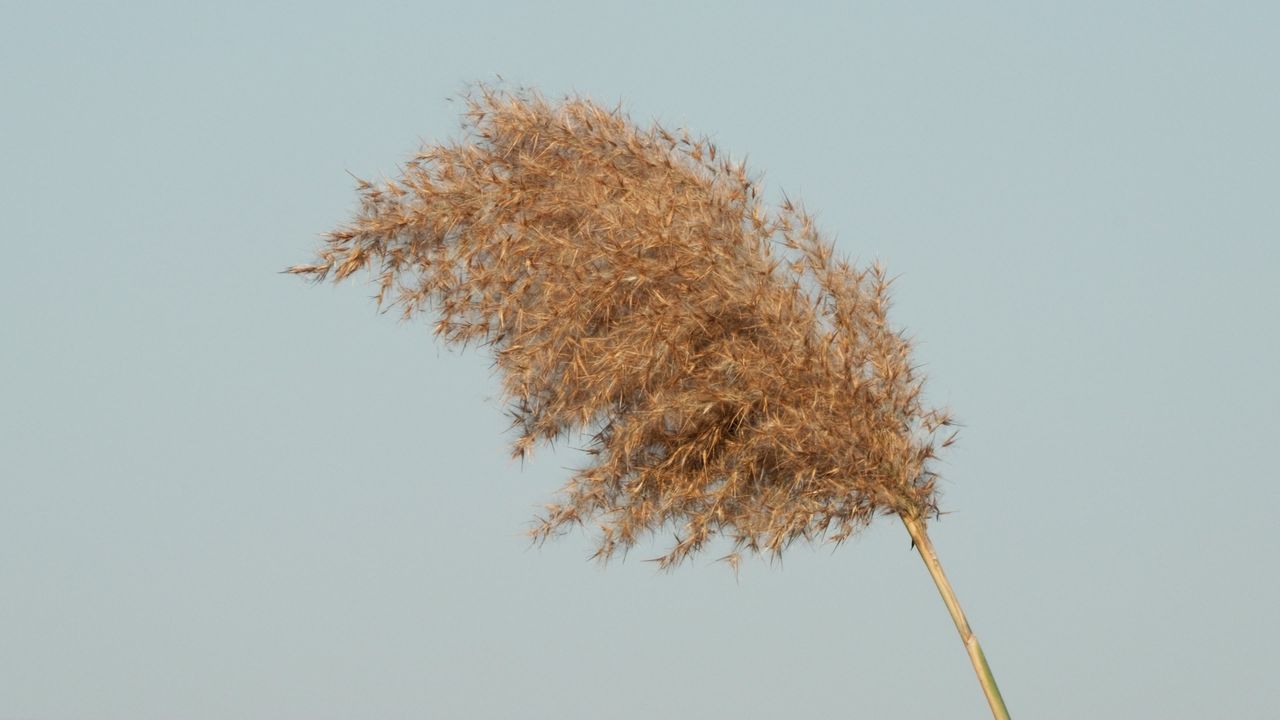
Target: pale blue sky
<point>225,493</point>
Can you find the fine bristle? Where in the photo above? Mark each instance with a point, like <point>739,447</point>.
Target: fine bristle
<point>733,377</point>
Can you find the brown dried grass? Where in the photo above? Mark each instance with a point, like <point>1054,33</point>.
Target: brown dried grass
<point>734,377</point>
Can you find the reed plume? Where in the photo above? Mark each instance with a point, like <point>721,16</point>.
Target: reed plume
<point>731,375</point>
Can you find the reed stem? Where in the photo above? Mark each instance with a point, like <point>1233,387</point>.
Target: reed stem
<point>985,678</point>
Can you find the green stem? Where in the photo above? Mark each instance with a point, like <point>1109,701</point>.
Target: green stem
<point>988,681</point>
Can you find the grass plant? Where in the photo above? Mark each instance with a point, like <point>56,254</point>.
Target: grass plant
<point>732,376</point>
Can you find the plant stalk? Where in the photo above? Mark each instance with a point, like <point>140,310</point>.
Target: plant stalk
<point>985,678</point>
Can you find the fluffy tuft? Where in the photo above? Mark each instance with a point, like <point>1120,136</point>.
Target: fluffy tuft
<point>733,377</point>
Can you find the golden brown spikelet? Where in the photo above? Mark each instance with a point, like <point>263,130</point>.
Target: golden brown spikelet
<point>734,378</point>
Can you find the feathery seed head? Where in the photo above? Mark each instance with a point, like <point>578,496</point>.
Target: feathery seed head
<point>733,376</point>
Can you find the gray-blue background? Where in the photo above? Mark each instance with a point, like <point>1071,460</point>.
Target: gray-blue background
<point>228,494</point>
